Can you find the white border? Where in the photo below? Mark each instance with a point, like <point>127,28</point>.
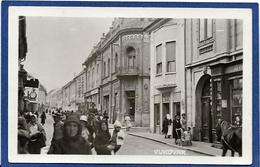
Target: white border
<point>14,12</point>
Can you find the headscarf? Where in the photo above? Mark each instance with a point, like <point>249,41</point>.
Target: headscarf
<point>72,118</point>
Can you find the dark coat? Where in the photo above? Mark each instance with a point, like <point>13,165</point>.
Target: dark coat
<point>101,141</point>
<point>70,146</point>
<point>176,125</point>
<point>166,122</point>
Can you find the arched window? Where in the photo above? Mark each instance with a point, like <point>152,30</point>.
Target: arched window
<point>131,54</point>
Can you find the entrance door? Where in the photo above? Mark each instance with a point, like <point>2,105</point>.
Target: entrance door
<point>131,104</point>
<point>206,119</point>
<point>206,113</point>
<point>166,109</point>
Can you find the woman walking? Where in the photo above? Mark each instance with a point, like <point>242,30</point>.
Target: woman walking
<point>72,142</point>
<point>167,126</point>
<point>37,136</point>
<point>102,140</point>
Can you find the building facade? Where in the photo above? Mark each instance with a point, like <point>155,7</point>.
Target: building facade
<point>92,67</point>
<point>120,64</point>
<point>167,70</point>
<point>54,98</point>
<point>69,96</point>
<point>80,81</point>
<point>213,65</point>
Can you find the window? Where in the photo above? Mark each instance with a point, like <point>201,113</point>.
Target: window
<point>131,54</point>
<point>108,66</point>
<point>116,61</point>
<point>159,59</point>
<point>238,33</point>
<point>236,99</point>
<point>171,56</point>
<point>93,78</point>
<point>205,29</point>
<point>104,72</point>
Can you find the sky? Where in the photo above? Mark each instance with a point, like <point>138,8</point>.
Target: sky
<point>57,47</point>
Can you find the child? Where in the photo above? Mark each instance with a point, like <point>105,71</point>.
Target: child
<point>187,137</point>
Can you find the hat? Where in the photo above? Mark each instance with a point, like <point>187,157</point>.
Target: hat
<point>117,124</point>
<point>72,118</point>
<point>57,115</point>
<point>83,118</point>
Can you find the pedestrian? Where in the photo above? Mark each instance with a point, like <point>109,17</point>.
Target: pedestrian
<point>57,129</point>
<point>183,121</point>
<point>167,126</point>
<point>102,140</point>
<point>105,116</point>
<point>118,137</point>
<point>177,129</point>
<point>72,142</point>
<point>84,125</point>
<point>43,118</point>
<point>23,136</point>
<point>187,137</point>
<point>128,122</point>
<point>37,136</point>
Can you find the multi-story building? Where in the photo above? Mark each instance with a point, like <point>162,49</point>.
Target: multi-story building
<point>80,80</point>
<point>69,96</point>
<point>196,68</point>
<point>167,70</point>
<point>118,71</point>
<point>92,67</point>
<point>54,98</point>
<point>213,62</point>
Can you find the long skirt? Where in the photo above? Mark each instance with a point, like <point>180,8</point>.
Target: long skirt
<point>169,133</point>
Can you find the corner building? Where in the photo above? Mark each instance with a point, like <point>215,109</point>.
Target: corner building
<point>125,79</point>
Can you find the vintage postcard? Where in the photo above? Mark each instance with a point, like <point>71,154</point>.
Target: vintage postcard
<point>135,85</point>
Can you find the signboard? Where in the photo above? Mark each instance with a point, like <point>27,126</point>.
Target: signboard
<point>166,97</point>
<point>31,94</point>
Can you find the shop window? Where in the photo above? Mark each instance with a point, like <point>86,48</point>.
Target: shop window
<point>218,101</point>
<point>171,56</point>
<point>159,59</point>
<point>236,100</point>
<point>205,29</point>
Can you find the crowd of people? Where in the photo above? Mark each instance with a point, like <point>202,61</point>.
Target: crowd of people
<point>73,133</point>
<point>177,129</point>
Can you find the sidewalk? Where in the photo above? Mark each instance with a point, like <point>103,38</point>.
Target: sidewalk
<point>200,147</point>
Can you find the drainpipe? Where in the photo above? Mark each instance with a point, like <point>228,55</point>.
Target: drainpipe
<point>185,76</point>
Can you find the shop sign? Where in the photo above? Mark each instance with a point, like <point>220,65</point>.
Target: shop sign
<point>166,97</point>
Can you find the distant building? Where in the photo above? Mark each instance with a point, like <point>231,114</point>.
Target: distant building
<point>54,98</point>
<point>69,96</point>
<point>92,68</point>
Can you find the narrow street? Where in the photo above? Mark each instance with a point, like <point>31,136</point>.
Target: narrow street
<point>133,145</point>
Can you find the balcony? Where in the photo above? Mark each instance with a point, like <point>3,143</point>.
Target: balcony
<point>127,71</point>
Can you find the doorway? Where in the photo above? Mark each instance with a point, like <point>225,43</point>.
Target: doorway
<point>203,126</point>
<point>131,104</point>
<point>206,112</point>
